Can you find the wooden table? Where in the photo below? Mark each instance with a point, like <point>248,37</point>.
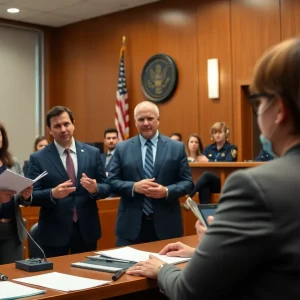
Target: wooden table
<point>107,209</point>
<point>127,287</point>
<point>222,169</point>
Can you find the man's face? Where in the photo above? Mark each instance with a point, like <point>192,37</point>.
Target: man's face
<point>147,122</point>
<point>61,128</point>
<point>111,140</point>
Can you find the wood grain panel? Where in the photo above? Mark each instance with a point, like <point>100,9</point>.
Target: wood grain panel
<point>255,26</point>
<point>177,37</point>
<point>213,19</point>
<point>88,58</point>
<point>290,21</point>
<point>69,75</point>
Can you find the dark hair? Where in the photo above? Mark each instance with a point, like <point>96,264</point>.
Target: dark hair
<point>57,111</point>
<point>5,155</point>
<point>177,134</point>
<point>37,140</point>
<point>110,130</point>
<point>200,150</point>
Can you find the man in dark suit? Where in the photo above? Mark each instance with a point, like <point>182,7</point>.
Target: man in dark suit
<point>110,142</point>
<point>67,196</point>
<point>150,172</point>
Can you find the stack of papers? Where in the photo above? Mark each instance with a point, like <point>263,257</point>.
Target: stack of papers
<point>62,282</point>
<point>10,290</point>
<point>131,254</point>
<point>12,181</point>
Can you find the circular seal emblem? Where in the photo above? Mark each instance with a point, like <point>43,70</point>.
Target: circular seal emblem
<point>159,78</point>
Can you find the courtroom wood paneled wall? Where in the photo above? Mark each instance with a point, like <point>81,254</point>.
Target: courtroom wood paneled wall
<point>85,69</point>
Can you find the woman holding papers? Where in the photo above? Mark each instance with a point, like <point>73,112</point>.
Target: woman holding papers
<point>251,250</point>
<point>12,233</point>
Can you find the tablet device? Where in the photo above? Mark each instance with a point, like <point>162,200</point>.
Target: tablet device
<point>194,208</point>
<point>207,210</point>
<point>201,211</point>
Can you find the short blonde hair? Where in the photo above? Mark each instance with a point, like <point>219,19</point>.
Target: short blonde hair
<point>278,73</point>
<point>219,127</point>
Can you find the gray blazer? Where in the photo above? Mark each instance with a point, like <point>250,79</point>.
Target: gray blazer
<point>252,248</point>
<point>19,201</point>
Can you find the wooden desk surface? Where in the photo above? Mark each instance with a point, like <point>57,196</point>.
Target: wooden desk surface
<point>125,285</point>
<point>234,165</point>
<point>222,169</point>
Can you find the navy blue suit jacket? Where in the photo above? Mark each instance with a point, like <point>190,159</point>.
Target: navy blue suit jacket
<point>171,169</point>
<point>103,158</point>
<point>56,215</point>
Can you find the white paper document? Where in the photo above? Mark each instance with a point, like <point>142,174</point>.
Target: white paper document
<point>131,254</point>
<point>62,282</point>
<point>12,181</point>
<point>10,290</point>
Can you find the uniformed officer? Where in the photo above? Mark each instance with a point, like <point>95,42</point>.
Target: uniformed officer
<point>220,151</point>
<point>264,156</point>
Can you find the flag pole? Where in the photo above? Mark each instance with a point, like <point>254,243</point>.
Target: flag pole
<point>123,48</point>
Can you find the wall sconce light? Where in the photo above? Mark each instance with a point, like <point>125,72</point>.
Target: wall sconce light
<point>213,78</point>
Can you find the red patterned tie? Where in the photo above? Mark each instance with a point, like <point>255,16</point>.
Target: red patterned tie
<point>71,173</point>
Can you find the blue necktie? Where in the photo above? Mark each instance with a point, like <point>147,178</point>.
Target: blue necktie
<point>148,170</point>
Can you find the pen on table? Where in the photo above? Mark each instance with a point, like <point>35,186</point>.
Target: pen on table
<point>3,277</point>
<point>118,274</point>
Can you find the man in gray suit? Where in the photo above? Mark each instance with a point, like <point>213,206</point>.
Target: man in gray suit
<point>150,172</point>
<point>252,248</point>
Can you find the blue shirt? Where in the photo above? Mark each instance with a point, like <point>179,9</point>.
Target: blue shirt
<point>7,210</point>
<point>154,142</point>
<point>227,153</point>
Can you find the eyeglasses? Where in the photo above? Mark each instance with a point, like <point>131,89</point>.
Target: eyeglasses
<point>256,99</point>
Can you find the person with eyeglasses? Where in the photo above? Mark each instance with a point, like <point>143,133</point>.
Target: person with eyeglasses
<point>251,248</point>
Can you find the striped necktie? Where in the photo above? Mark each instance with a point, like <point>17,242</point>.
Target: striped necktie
<point>148,170</point>
<point>71,173</point>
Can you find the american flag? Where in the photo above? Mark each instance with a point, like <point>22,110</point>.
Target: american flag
<point>122,111</point>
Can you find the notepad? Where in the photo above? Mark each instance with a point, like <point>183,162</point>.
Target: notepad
<point>10,290</point>
<point>12,181</point>
<point>131,254</point>
<point>62,282</point>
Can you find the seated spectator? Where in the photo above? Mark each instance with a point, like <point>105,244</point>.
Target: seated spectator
<point>39,143</point>
<point>176,136</point>
<point>264,156</point>
<point>194,149</point>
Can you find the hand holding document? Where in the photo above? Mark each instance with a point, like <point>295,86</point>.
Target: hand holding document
<point>14,182</point>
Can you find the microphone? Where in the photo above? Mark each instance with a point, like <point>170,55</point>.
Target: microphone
<point>3,277</point>
<point>33,264</point>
